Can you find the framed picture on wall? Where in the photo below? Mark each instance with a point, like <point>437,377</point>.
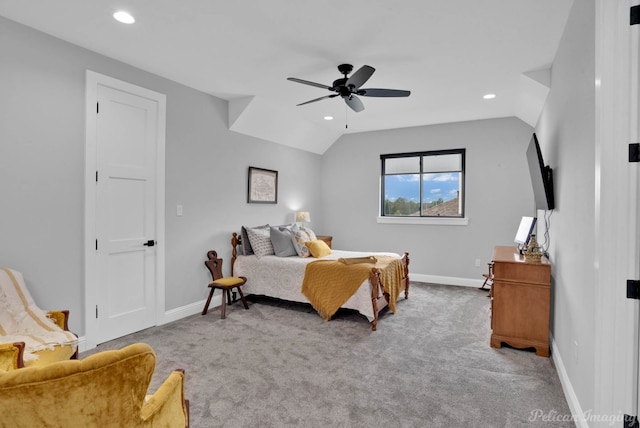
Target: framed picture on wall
<point>263,186</point>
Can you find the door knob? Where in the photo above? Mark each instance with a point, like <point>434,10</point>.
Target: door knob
<point>150,243</point>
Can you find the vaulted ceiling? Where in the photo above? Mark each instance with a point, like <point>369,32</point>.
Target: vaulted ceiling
<point>449,54</point>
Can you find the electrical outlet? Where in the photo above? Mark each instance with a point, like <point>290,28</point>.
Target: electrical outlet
<point>576,354</point>
<point>477,262</point>
<point>179,210</point>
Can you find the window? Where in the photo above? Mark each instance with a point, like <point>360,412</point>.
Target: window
<point>423,184</point>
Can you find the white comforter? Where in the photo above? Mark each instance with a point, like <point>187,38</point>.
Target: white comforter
<point>282,277</point>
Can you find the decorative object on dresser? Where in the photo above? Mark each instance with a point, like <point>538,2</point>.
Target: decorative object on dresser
<point>520,299</point>
<point>533,253</point>
<point>226,284</point>
<point>282,277</point>
<point>262,187</point>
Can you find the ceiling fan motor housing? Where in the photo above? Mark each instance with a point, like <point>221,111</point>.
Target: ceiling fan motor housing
<point>345,69</point>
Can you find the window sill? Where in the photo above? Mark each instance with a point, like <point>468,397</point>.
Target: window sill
<point>441,221</point>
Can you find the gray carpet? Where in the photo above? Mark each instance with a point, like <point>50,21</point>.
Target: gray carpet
<point>430,365</point>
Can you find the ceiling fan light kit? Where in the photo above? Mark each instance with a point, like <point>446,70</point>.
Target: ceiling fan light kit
<point>348,88</point>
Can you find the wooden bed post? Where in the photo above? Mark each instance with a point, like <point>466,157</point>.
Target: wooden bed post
<point>405,275</point>
<point>374,277</point>
<point>234,250</point>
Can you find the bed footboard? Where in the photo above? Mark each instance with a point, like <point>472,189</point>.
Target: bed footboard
<point>379,297</point>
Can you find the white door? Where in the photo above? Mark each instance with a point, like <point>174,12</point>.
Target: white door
<point>125,266</point>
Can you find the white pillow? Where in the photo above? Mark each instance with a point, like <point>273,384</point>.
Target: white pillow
<point>260,242</point>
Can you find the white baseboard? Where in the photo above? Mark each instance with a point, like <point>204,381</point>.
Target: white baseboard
<point>190,309</point>
<point>569,392</point>
<point>82,344</point>
<point>446,280</point>
<point>170,316</point>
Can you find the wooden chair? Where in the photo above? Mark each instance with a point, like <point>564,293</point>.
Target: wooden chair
<point>226,284</point>
<point>488,277</point>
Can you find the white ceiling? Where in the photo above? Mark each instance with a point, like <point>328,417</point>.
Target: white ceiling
<point>448,53</point>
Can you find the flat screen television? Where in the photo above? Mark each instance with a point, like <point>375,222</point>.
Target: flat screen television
<point>525,230</point>
<point>541,176</point>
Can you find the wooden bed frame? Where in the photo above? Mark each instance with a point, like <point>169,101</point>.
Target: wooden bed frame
<point>379,297</point>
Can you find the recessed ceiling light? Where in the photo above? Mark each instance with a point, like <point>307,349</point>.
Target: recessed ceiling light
<point>124,17</point>
<point>328,118</point>
<point>489,96</point>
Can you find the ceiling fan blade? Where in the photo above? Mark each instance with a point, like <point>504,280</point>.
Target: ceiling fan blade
<point>355,103</point>
<point>306,82</point>
<point>317,99</point>
<point>358,78</point>
<point>374,92</point>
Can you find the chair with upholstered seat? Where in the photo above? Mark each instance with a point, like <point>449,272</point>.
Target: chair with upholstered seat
<point>30,336</point>
<point>227,284</point>
<point>106,389</point>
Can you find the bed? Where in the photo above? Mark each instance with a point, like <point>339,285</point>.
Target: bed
<point>284,278</point>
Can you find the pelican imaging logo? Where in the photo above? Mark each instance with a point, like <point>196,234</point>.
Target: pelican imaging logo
<point>539,415</point>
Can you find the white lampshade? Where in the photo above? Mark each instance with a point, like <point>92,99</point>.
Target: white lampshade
<point>303,217</point>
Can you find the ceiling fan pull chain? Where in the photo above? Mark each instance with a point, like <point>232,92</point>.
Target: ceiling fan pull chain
<point>346,117</point>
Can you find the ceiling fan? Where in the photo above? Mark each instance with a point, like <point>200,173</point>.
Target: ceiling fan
<point>349,87</point>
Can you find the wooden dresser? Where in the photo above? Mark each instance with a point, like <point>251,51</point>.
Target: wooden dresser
<point>520,300</point>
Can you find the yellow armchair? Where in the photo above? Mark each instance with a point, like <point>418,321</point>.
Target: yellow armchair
<point>44,336</point>
<point>107,389</point>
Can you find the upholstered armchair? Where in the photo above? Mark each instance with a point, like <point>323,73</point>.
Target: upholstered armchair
<point>28,335</point>
<point>106,389</point>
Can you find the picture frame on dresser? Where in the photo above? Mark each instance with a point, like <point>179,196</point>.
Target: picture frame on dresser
<point>262,186</point>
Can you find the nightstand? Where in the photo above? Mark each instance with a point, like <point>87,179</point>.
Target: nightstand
<point>326,239</point>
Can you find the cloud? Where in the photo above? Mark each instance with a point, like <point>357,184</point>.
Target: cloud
<point>441,177</point>
<point>435,190</point>
<point>407,178</point>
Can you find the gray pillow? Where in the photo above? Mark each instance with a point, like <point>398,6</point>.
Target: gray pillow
<point>281,241</point>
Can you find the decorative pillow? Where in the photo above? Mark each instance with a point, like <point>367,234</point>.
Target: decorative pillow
<point>260,242</point>
<point>282,242</point>
<point>300,235</point>
<point>312,235</point>
<point>244,237</point>
<point>318,248</point>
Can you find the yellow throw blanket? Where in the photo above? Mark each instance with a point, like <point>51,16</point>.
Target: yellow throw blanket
<point>328,284</point>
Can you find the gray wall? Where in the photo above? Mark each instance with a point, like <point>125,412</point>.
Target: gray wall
<point>498,194</point>
<point>42,87</point>
<point>566,131</point>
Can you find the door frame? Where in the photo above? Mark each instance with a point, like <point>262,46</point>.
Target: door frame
<point>616,337</point>
<point>93,80</point>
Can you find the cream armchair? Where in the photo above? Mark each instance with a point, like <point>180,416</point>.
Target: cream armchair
<point>107,389</point>
<point>28,335</point>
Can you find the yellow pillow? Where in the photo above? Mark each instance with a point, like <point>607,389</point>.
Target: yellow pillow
<point>318,248</point>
